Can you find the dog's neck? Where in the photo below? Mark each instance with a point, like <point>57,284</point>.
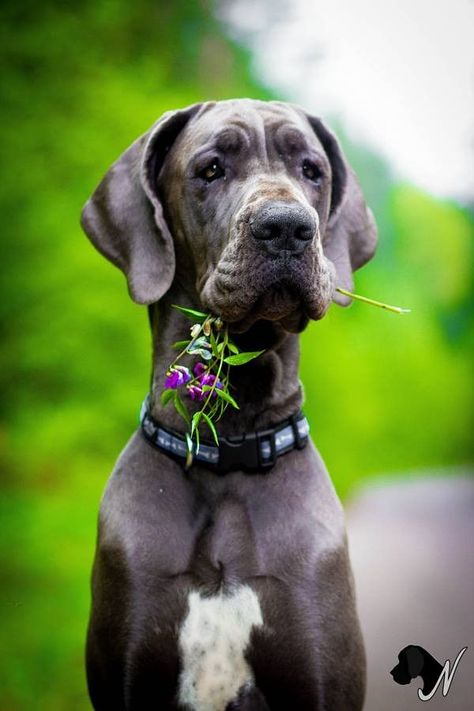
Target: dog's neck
<point>267,389</point>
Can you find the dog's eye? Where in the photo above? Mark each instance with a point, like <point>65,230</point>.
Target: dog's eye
<point>212,171</point>
<point>312,172</point>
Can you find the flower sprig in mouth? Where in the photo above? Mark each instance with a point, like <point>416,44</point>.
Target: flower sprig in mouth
<point>207,381</point>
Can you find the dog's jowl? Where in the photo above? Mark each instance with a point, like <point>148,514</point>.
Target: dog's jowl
<point>226,585</point>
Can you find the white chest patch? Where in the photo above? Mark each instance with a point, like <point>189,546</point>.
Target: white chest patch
<point>212,641</point>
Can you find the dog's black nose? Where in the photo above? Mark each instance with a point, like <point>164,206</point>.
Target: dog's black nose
<point>283,226</point>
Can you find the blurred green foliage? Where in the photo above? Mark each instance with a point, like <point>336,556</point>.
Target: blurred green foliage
<point>384,393</point>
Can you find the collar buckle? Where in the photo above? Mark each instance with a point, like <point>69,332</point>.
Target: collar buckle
<point>246,452</point>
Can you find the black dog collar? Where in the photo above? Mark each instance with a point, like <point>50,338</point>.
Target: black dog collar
<point>250,452</point>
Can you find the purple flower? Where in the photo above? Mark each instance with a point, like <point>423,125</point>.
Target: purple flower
<point>173,380</point>
<point>199,369</point>
<point>178,375</point>
<point>209,379</point>
<point>195,392</point>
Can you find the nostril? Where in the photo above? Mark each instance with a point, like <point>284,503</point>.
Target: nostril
<point>268,231</point>
<point>304,233</point>
<point>265,228</point>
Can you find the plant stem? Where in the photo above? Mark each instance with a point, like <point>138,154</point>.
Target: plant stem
<point>192,341</point>
<point>216,380</point>
<point>220,360</point>
<point>372,302</point>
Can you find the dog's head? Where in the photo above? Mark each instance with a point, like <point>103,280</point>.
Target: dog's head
<point>410,664</point>
<point>253,203</point>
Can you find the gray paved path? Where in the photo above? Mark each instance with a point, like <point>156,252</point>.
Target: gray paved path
<point>412,549</point>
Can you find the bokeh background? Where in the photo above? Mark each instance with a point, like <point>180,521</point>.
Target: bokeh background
<point>386,395</point>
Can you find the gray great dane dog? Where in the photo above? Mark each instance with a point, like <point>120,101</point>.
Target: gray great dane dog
<point>220,593</point>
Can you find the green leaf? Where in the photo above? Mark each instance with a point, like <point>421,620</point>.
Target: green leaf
<point>179,345</point>
<point>195,421</point>
<point>191,313</point>
<point>189,442</point>
<point>242,358</point>
<point>180,407</point>
<point>166,396</point>
<point>228,398</point>
<point>212,338</point>
<point>232,347</point>
<point>210,424</point>
<point>220,346</point>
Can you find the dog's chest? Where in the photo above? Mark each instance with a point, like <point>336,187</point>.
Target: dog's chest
<point>213,639</point>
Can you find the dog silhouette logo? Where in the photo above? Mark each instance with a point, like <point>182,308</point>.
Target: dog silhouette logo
<point>415,661</point>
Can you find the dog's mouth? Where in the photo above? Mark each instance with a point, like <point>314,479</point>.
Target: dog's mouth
<point>278,303</point>
<point>287,290</point>
<point>278,300</point>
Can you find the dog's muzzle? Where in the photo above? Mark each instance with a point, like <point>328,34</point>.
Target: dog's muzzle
<point>281,227</point>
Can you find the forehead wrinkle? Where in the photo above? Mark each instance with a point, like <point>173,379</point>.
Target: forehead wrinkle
<point>221,137</point>
<point>259,142</point>
<point>232,137</point>
<point>252,123</point>
<point>288,137</point>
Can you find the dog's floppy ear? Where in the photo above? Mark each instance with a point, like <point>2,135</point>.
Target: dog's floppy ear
<point>124,217</point>
<point>415,660</point>
<point>351,234</point>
